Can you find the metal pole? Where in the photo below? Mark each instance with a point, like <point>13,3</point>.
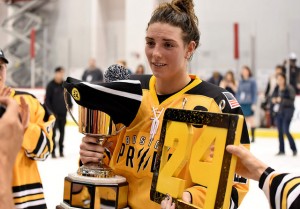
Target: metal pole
<point>253,55</point>
<point>236,53</point>
<point>44,71</point>
<point>32,56</point>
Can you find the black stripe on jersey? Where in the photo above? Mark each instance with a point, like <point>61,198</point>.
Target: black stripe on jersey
<point>23,93</point>
<point>296,203</point>
<point>27,187</point>
<point>39,144</point>
<point>235,196</point>
<point>273,188</point>
<point>38,207</point>
<point>16,198</point>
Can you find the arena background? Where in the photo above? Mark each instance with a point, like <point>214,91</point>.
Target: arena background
<point>69,32</point>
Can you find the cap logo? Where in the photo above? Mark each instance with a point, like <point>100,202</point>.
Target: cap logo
<point>76,94</point>
<point>1,53</point>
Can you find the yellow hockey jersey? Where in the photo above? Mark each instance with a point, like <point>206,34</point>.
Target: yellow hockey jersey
<point>134,151</point>
<point>37,145</point>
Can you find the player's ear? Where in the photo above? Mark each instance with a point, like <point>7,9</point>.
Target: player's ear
<point>190,50</point>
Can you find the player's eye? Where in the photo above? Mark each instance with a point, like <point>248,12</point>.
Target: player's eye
<point>168,45</point>
<point>150,43</point>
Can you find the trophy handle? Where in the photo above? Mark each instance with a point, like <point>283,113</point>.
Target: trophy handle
<point>67,106</point>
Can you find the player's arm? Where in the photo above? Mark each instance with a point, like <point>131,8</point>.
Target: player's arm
<point>37,142</point>
<point>282,190</point>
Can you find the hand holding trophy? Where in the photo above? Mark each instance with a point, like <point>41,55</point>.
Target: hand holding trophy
<point>101,107</point>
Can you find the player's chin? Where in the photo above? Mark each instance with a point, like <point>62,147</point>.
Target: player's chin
<point>160,73</point>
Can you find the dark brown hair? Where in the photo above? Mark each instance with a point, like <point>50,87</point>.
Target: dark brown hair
<point>248,69</point>
<point>229,72</point>
<point>283,76</point>
<point>179,13</point>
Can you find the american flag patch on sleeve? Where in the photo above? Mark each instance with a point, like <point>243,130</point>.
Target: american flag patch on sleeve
<point>231,100</point>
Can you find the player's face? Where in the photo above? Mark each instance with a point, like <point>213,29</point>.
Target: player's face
<point>165,50</point>
<point>3,70</point>
<point>245,73</point>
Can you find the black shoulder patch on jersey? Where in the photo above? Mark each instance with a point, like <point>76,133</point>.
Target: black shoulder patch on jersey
<point>210,90</point>
<point>144,79</point>
<point>217,93</point>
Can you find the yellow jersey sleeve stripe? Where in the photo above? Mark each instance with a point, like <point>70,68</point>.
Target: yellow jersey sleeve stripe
<point>287,190</point>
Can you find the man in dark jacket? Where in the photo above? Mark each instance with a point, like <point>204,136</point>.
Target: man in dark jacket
<point>92,74</point>
<point>55,102</point>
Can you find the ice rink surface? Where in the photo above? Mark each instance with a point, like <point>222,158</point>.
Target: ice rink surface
<point>53,171</point>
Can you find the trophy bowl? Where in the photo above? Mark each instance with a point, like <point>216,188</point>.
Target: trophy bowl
<point>94,185</point>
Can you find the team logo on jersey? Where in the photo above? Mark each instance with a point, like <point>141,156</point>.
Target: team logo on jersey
<point>75,94</point>
<point>231,100</point>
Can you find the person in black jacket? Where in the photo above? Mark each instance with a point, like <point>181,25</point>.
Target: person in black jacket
<point>283,99</point>
<point>92,74</point>
<point>55,102</point>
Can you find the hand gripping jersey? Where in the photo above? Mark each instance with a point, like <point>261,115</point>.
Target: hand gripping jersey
<point>135,148</point>
<point>37,145</point>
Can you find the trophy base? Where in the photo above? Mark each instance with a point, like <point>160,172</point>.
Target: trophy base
<point>94,193</point>
<point>96,171</point>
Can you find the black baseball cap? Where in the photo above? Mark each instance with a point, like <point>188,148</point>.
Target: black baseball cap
<point>3,57</point>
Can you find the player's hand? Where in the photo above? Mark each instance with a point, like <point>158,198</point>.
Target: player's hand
<point>248,165</point>
<point>24,113</point>
<point>11,131</point>
<point>5,91</point>
<point>90,150</point>
<point>167,203</point>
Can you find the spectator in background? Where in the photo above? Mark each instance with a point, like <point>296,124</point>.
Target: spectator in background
<point>55,102</point>
<point>92,74</point>
<point>124,64</point>
<point>283,99</point>
<point>216,78</point>
<point>247,97</point>
<point>140,70</point>
<point>229,83</point>
<point>267,105</point>
<point>294,73</point>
